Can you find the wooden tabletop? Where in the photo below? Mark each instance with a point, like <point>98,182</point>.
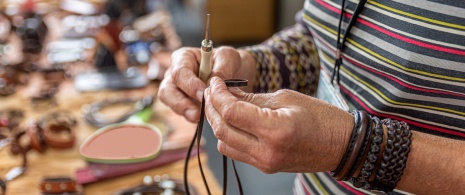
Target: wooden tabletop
<point>65,162</point>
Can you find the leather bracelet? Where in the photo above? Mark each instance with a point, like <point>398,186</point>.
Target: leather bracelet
<point>352,155</point>
<point>53,125</point>
<point>392,167</point>
<point>404,149</point>
<point>368,168</point>
<point>16,147</point>
<point>37,138</point>
<point>58,185</point>
<point>361,153</point>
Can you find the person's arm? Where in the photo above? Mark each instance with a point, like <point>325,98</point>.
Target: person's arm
<point>436,165</point>
<point>298,133</point>
<point>288,60</point>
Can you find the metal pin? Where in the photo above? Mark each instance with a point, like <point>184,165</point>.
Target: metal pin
<point>207,29</point>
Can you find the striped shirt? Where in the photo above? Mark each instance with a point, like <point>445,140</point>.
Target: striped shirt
<point>403,59</point>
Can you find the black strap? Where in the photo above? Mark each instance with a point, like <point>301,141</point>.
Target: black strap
<point>340,45</point>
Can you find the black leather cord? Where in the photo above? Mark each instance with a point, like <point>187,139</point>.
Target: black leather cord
<point>198,136</point>
<point>340,44</point>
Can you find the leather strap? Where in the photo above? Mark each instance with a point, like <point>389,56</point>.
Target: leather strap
<point>58,185</point>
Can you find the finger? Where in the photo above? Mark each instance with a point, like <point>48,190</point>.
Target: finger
<point>264,100</point>
<point>178,101</point>
<point>226,62</point>
<point>240,114</point>
<point>230,135</point>
<point>185,65</point>
<point>234,154</point>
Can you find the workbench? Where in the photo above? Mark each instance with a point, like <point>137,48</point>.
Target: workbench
<point>65,162</point>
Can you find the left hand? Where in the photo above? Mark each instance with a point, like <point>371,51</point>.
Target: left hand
<point>285,131</point>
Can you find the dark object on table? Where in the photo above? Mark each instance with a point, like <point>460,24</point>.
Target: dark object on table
<point>158,185</point>
<point>95,118</point>
<point>108,76</point>
<point>32,31</point>
<point>11,118</point>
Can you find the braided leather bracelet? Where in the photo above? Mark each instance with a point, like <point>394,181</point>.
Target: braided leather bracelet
<point>355,146</point>
<point>362,179</point>
<point>394,157</point>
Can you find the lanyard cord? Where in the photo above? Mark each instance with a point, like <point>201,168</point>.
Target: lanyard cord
<point>340,44</point>
<point>197,137</point>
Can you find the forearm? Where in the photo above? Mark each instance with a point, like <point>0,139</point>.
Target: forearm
<point>435,166</point>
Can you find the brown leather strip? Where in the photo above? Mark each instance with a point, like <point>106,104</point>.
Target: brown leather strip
<point>58,185</point>
<point>357,145</point>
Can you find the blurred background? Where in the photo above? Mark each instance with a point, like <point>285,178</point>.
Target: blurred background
<point>112,36</point>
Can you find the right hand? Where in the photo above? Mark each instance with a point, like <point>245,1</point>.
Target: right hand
<point>182,90</point>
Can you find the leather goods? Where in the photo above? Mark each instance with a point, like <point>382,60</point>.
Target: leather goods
<point>36,134</point>
<point>95,172</point>
<point>58,185</point>
<point>57,130</point>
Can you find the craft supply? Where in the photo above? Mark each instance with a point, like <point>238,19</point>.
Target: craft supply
<point>130,141</point>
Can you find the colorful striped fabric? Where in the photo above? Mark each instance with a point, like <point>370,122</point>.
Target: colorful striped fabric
<point>404,59</point>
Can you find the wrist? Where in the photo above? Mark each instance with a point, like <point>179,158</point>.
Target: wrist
<point>342,137</point>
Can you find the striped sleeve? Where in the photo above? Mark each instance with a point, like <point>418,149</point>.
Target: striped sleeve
<point>288,59</point>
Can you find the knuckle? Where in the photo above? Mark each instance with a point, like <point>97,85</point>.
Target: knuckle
<point>221,148</point>
<point>282,93</point>
<point>226,49</point>
<point>270,165</point>
<point>228,113</point>
<point>219,133</point>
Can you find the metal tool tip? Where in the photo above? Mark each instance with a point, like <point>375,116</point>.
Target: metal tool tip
<point>207,29</point>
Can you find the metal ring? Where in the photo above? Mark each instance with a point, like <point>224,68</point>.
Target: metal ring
<point>236,82</point>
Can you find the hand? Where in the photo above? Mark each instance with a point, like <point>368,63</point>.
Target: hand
<point>182,90</point>
<point>285,131</point>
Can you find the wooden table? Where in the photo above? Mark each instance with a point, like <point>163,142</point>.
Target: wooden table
<point>65,162</point>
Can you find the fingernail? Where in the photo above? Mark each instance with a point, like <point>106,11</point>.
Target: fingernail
<point>199,95</point>
<point>207,92</point>
<point>191,114</point>
<point>212,80</point>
